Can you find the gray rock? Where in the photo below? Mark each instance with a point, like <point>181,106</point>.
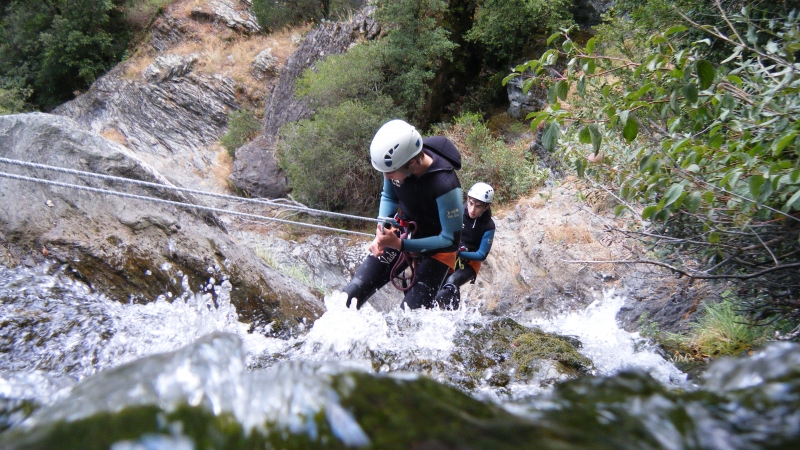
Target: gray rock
<point>264,64</point>
<point>173,121</point>
<point>256,170</point>
<point>520,103</point>
<point>224,11</point>
<point>328,38</point>
<point>128,249</point>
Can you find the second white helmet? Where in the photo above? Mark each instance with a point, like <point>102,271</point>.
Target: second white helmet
<point>481,191</point>
<point>395,143</point>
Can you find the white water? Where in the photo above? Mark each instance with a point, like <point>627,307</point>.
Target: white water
<point>109,334</point>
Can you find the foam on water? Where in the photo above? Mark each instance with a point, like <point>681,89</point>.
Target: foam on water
<point>611,348</point>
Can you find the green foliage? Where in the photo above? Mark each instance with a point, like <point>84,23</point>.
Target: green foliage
<point>242,127</point>
<point>708,148</point>
<point>503,27</point>
<point>415,47</point>
<point>485,158</point>
<point>351,75</point>
<point>327,157</point>
<point>12,101</point>
<point>56,47</point>
<point>274,15</point>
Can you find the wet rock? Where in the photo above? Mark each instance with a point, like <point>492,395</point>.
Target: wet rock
<point>128,249</point>
<point>521,103</point>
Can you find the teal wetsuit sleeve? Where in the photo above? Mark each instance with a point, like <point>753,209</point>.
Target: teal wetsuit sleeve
<point>449,206</point>
<point>483,250</point>
<point>389,201</point>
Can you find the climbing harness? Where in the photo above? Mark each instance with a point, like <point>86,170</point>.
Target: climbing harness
<point>183,190</point>
<point>400,279</point>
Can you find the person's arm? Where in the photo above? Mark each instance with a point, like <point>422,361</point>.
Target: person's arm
<point>389,201</point>
<point>483,250</point>
<point>449,205</point>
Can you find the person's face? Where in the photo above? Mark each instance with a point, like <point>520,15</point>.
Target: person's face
<point>400,174</point>
<point>475,207</point>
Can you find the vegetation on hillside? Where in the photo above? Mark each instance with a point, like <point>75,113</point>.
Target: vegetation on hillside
<point>696,122</point>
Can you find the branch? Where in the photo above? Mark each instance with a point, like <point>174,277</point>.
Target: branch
<point>687,274</point>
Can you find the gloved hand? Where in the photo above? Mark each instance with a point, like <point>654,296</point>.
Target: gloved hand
<point>359,302</point>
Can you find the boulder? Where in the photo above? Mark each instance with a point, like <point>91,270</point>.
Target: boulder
<point>256,170</point>
<point>225,12</point>
<point>521,103</point>
<point>131,250</point>
<point>172,119</point>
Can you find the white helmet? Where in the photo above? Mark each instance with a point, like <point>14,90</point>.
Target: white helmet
<point>482,192</point>
<point>394,145</point>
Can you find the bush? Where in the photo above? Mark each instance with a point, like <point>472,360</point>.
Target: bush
<point>708,146</point>
<point>59,46</point>
<point>485,158</point>
<point>327,157</point>
<point>351,75</point>
<point>274,15</point>
<point>503,27</point>
<point>242,127</point>
<point>12,101</point>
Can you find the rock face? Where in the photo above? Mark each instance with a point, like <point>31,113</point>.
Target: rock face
<point>170,120</point>
<point>128,249</point>
<point>520,103</point>
<point>282,107</point>
<point>225,12</point>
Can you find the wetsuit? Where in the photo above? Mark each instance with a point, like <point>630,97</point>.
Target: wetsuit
<point>477,236</point>
<point>432,201</point>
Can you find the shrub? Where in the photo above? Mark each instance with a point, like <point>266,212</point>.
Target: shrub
<point>351,75</point>
<point>503,27</point>
<point>242,127</point>
<point>12,101</point>
<point>327,157</point>
<point>485,158</point>
<point>274,15</point>
<point>59,46</point>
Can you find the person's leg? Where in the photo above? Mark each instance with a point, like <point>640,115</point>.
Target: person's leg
<point>370,276</point>
<point>449,297</point>
<point>430,274</point>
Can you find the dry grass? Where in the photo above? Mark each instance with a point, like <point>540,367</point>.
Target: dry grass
<point>221,51</point>
<point>569,234</point>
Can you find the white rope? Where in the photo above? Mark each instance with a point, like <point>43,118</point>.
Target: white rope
<point>170,202</point>
<point>190,191</point>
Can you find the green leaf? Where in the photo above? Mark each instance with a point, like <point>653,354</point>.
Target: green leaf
<point>645,162</point>
<point>590,46</point>
<point>582,86</point>
<point>526,85</point>
<point>584,136</point>
<point>673,193</point>
<point>782,142</point>
<point>552,93</point>
<point>562,88</point>
<point>580,166</point>
<point>509,77</point>
<point>754,183</point>
<point>552,38</point>
<point>693,201</point>
<point>597,138</point>
<point>675,29</point>
<point>690,92</point>
<point>735,80</point>
<point>619,210</point>
<point>705,72</point>
<point>537,121</point>
<point>550,136</point>
<point>648,211</point>
<point>713,237</point>
<point>631,130</point>
<point>793,202</point>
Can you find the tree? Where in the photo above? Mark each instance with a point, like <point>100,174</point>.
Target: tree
<point>708,148</point>
<point>58,46</point>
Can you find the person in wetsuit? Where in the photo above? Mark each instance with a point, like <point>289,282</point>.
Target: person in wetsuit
<point>476,242</point>
<point>419,181</point>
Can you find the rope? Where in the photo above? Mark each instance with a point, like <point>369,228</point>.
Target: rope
<point>186,190</point>
<point>170,202</point>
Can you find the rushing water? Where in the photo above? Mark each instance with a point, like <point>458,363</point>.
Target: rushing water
<point>185,373</point>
